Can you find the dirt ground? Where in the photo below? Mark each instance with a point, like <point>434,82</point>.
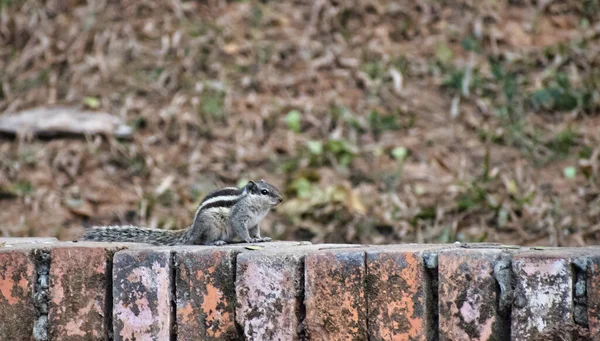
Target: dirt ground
<point>382,121</point>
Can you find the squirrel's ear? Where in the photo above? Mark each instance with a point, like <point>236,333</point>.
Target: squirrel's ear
<point>251,186</point>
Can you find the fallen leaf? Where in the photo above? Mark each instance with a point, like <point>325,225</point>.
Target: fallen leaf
<point>354,203</point>
<point>254,247</point>
<point>231,48</point>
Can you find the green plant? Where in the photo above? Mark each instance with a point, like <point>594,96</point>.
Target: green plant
<point>293,120</point>
<point>380,123</point>
<point>212,103</point>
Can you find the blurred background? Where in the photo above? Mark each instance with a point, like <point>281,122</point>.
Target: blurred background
<point>382,121</point>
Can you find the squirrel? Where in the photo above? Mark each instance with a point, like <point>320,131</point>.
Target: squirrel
<point>222,215</point>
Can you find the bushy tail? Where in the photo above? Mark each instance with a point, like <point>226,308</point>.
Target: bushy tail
<point>133,234</point>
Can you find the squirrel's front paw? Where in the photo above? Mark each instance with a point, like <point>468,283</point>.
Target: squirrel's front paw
<point>264,239</point>
<point>218,243</point>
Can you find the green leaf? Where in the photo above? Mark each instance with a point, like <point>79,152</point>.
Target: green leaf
<point>399,153</point>
<point>542,98</point>
<point>23,188</point>
<point>496,67</point>
<point>212,103</point>
<point>339,147</point>
<point>502,218</point>
<point>570,172</point>
<point>346,159</point>
<point>566,102</point>
<point>471,44</point>
<point>554,98</point>
<point>91,102</point>
<point>454,80</point>
<point>213,106</point>
<point>446,235</point>
<point>584,23</point>
<point>303,187</point>
<point>346,115</point>
<point>563,80</point>
<point>315,147</point>
<point>379,123</point>
<point>510,86</point>
<point>336,146</point>
<point>373,69</point>
<point>293,121</point>
<point>443,53</point>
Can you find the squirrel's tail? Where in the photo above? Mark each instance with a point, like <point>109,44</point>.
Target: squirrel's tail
<point>133,234</point>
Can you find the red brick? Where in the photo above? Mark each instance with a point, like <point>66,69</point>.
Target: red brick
<point>269,294</point>
<point>142,293</point>
<point>17,276</point>
<point>399,295</point>
<point>206,289</point>
<point>78,290</point>
<point>335,300</point>
<point>468,295</point>
<point>205,293</point>
<point>543,293</point>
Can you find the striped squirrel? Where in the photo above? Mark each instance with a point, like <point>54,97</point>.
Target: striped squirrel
<point>222,215</point>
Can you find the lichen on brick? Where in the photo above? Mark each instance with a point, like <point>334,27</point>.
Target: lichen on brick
<point>205,293</point>
<point>17,312</point>
<point>543,294</point>
<point>335,297</point>
<point>142,294</point>
<point>468,290</point>
<point>267,285</point>
<point>79,279</point>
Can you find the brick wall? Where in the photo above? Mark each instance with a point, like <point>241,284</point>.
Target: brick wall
<point>294,291</point>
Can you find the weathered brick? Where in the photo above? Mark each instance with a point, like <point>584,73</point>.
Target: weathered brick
<point>27,240</point>
<point>78,291</point>
<point>269,293</point>
<point>468,296</point>
<point>17,276</point>
<point>142,293</point>
<point>334,295</point>
<point>206,289</point>
<point>593,294</point>
<point>543,293</point>
<point>205,293</point>
<point>399,294</point>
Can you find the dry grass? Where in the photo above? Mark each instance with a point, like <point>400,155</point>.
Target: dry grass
<point>427,121</point>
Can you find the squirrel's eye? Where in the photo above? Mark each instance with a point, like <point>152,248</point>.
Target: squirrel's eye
<point>264,192</point>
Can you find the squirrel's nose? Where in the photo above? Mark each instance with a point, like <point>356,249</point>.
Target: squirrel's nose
<point>280,199</point>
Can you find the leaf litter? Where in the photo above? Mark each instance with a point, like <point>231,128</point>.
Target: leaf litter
<point>382,122</point>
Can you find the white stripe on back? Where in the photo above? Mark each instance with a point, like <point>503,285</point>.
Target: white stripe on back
<point>220,198</point>
<point>229,188</point>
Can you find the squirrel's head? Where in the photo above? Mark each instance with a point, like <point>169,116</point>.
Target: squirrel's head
<point>264,192</point>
